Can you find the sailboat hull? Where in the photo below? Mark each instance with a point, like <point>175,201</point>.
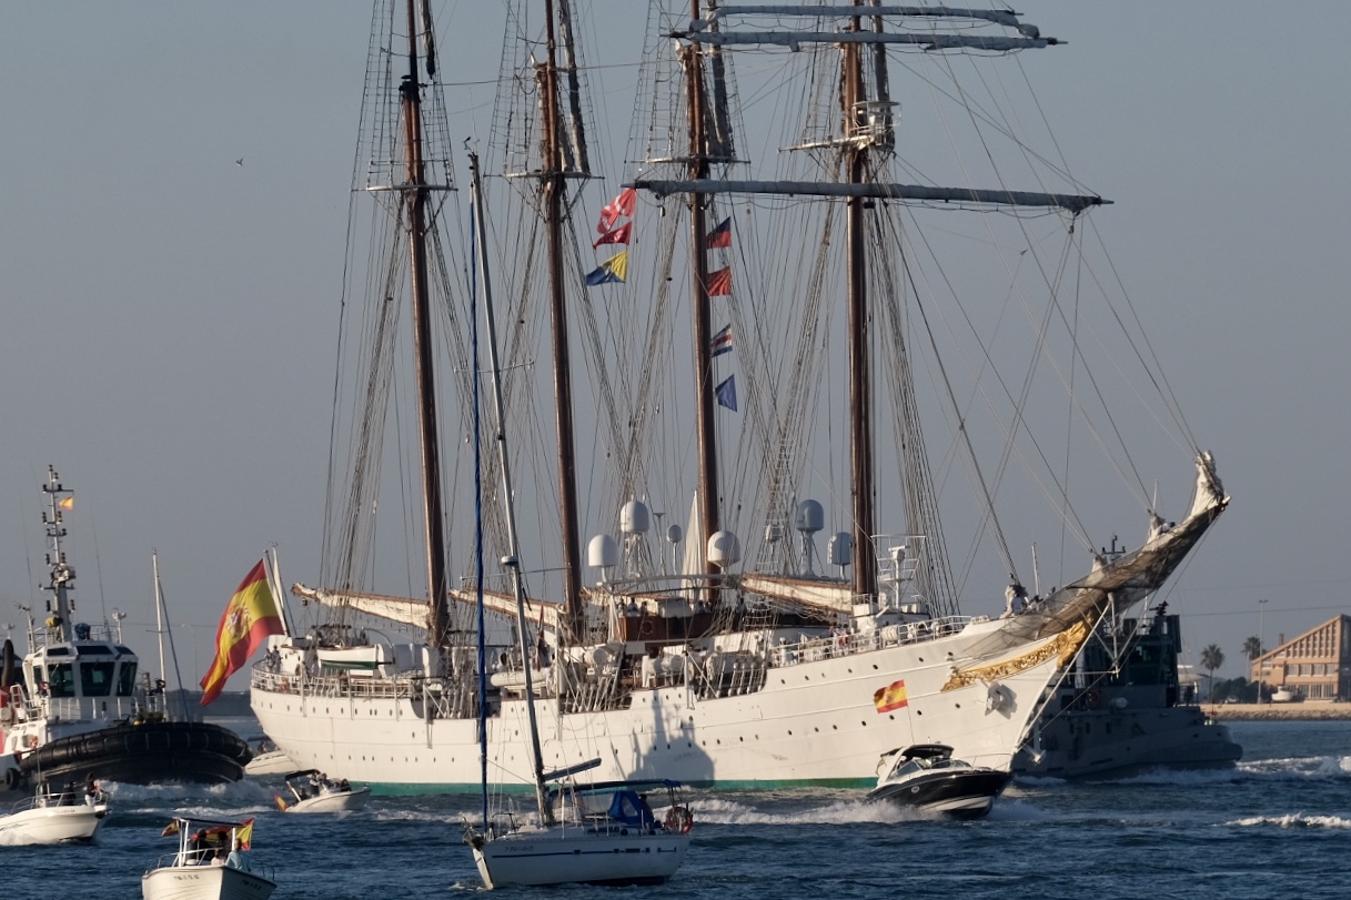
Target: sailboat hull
<point>812,720</point>
<point>579,855</point>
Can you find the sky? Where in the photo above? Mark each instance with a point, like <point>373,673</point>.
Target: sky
<point>168,316</point>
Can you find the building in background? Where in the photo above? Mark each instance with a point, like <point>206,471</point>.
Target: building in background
<point>1316,665</point>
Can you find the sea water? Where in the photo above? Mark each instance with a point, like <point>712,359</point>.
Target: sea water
<point>1277,825</point>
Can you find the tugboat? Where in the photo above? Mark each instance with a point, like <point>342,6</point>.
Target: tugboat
<point>73,710</point>
<point>1124,709</point>
<point>926,777</point>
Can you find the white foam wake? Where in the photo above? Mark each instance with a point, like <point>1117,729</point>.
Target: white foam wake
<point>1293,820</point>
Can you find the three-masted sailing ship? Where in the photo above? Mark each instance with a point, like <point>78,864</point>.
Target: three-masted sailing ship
<point>702,670</point>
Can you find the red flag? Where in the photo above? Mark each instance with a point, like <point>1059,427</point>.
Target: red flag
<point>721,236</point>
<point>720,282</point>
<point>618,235</point>
<point>621,205</point>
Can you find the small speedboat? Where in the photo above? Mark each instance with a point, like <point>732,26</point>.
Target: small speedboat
<point>211,864</point>
<point>312,792</point>
<point>268,760</point>
<point>599,834</point>
<point>926,777</point>
<point>54,817</point>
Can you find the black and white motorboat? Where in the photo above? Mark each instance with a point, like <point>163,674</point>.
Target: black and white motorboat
<point>926,777</point>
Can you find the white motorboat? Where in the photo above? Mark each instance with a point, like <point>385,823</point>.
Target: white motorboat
<point>210,864</point>
<point>926,777</point>
<point>312,792</point>
<point>54,817</point>
<point>268,760</point>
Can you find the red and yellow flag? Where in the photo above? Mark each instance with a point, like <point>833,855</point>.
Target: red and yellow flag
<point>250,616</point>
<point>891,697</point>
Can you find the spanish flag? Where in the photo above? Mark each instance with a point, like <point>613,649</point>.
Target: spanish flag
<point>250,616</point>
<point>244,835</point>
<point>891,697</point>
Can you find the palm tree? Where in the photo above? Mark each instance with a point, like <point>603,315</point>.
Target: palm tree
<point>1212,658</point>
<point>1252,647</point>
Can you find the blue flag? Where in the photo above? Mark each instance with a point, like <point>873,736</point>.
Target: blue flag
<point>726,393</point>
<point>612,271</point>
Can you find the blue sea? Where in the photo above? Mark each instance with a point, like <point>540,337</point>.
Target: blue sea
<point>1278,825</point>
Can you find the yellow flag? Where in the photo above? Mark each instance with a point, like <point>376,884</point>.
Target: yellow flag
<point>67,502</point>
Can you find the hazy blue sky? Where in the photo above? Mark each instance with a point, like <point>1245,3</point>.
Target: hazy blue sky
<point>167,317</point>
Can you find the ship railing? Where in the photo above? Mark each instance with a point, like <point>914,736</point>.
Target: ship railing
<point>77,709</point>
<point>210,857</point>
<point>48,800</point>
<point>845,643</point>
<point>344,686</point>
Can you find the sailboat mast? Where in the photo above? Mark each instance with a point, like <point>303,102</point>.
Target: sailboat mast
<point>860,387</point>
<point>415,198</point>
<point>703,356</point>
<point>554,185</point>
<point>159,615</point>
<point>504,464</point>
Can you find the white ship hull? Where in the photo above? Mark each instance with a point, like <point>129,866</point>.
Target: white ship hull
<point>560,857</point>
<point>204,882</point>
<point>813,720</point>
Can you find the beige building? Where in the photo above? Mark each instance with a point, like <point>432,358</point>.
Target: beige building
<point>1316,664</point>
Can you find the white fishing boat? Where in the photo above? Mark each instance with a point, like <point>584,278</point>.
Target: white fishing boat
<point>211,864</point>
<point>572,838</point>
<point>925,777</point>
<point>706,668</point>
<point>54,817</point>
<point>311,791</point>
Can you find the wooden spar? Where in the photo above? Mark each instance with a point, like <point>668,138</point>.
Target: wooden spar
<point>703,356</point>
<point>1074,203</point>
<point>415,197</point>
<point>860,385</point>
<point>554,184</point>
<point>926,41</point>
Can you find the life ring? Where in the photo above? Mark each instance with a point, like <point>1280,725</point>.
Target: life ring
<point>679,820</point>
<point>646,627</point>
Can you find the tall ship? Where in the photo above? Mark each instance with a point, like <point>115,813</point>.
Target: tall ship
<point>78,706</point>
<point>682,657</point>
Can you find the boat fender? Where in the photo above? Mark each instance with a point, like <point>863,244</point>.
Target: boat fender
<point>12,777</point>
<point>679,820</point>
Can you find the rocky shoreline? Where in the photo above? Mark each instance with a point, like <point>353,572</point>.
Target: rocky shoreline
<point>1285,712</point>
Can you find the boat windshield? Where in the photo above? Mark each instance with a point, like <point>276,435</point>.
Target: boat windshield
<point>126,679</point>
<point>96,678</point>
<point>61,680</point>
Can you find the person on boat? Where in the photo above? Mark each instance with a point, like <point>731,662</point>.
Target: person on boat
<point>91,792</point>
<point>234,860</point>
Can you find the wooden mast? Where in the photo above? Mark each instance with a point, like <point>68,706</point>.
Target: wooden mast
<point>415,200</point>
<point>703,356</point>
<point>553,184</point>
<point>860,387</point>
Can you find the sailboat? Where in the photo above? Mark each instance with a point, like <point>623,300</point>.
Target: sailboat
<point>573,838</point>
<point>76,708</point>
<point>768,673</point>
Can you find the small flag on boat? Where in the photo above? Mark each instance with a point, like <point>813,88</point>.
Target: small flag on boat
<point>171,829</point>
<point>722,341</point>
<point>893,696</point>
<point>622,205</point>
<point>721,236</point>
<point>250,616</point>
<point>720,282</point>
<point>619,235</point>
<point>612,271</point>
<point>726,393</point>
<point>244,835</point>
<point>280,801</point>
<point>67,502</point>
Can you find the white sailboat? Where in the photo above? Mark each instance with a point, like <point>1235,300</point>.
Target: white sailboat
<point>571,840</point>
<point>717,672</point>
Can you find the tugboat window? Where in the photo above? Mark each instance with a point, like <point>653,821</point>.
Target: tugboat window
<point>126,679</point>
<point>61,680</point>
<point>97,679</point>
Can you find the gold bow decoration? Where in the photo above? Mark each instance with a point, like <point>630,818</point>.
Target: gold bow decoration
<point>1064,645</point>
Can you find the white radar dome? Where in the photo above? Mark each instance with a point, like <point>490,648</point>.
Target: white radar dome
<point>810,518</point>
<point>723,549</point>
<point>840,550</point>
<point>635,518</point>
<point>602,552</point>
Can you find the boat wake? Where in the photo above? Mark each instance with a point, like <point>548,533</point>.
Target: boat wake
<point>1298,769</point>
<point>718,811</point>
<point>1293,820</point>
<point>237,798</point>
